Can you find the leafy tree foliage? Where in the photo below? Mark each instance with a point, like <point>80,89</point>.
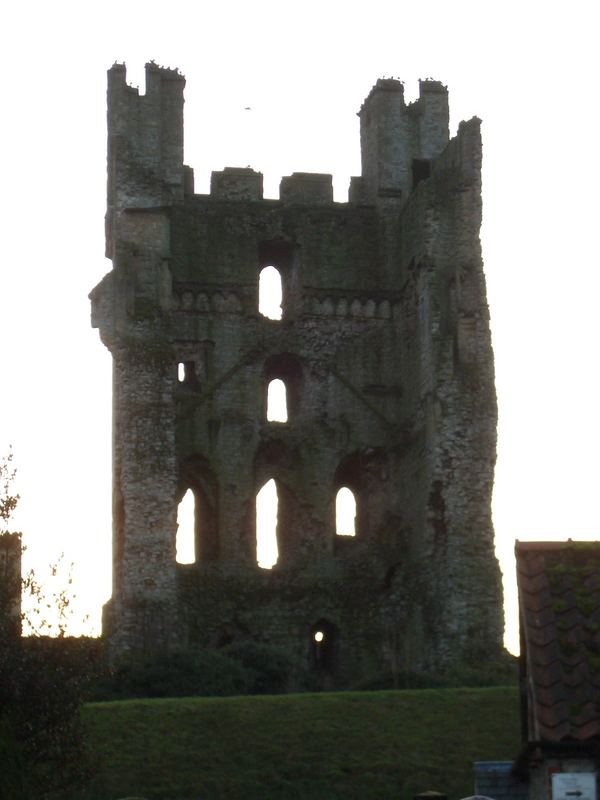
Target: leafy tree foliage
<point>42,679</point>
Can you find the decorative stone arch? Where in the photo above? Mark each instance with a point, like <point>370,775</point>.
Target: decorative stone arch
<point>196,474</point>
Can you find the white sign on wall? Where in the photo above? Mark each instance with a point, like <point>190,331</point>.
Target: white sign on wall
<point>574,786</point>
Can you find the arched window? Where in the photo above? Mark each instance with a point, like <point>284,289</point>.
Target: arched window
<point>270,293</point>
<point>277,401</point>
<point>283,381</point>
<point>345,512</point>
<point>198,512</point>
<point>266,525</point>
<point>186,529</point>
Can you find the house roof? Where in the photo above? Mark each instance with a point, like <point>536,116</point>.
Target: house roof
<point>559,600</point>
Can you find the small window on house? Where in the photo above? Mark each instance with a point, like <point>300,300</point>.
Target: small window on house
<point>270,293</point>
<point>266,525</point>
<point>345,512</point>
<point>186,527</point>
<point>276,401</point>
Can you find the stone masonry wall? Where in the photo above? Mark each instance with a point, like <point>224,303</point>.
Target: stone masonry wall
<point>10,583</point>
<point>385,352</point>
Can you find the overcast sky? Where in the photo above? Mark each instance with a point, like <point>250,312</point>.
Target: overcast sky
<point>528,69</point>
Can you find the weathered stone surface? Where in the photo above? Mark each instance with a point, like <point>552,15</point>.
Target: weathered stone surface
<point>10,583</point>
<point>384,347</point>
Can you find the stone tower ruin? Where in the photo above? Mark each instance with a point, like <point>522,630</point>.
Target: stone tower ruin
<point>384,350</point>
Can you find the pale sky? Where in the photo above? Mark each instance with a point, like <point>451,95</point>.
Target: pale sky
<point>528,69</point>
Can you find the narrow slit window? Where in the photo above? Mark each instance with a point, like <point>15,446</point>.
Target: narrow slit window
<point>345,512</point>
<point>266,525</point>
<point>277,401</point>
<point>186,375</point>
<point>270,293</point>
<point>186,529</point>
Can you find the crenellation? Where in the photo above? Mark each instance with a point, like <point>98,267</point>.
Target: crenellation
<point>236,183</point>
<point>384,351</point>
<point>433,119</point>
<point>306,187</point>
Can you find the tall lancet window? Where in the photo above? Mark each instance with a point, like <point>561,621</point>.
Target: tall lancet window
<point>270,293</point>
<point>345,512</point>
<point>277,401</point>
<point>186,529</point>
<point>266,525</point>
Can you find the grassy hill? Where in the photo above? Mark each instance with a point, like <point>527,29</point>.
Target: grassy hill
<point>348,745</point>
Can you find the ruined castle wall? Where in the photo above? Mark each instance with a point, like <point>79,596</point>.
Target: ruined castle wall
<point>385,352</point>
<point>441,239</point>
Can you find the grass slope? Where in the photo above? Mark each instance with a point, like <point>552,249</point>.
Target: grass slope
<point>319,746</point>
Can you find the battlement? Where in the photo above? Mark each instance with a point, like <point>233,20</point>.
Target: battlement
<point>155,75</point>
<point>395,86</point>
<point>306,187</point>
<point>236,183</point>
<point>145,145</point>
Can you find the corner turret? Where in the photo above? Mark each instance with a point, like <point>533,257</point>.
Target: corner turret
<point>398,141</point>
<point>145,142</point>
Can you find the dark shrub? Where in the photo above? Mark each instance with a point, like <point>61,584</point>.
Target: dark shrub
<point>176,673</point>
<point>271,669</point>
<point>242,668</point>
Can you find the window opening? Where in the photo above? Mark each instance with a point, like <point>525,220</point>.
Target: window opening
<point>421,170</point>
<point>287,369</point>
<point>266,525</point>
<point>186,375</point>
<point>324,647</point>
<point>345,512</point>
<point>186,527</point>
<point>270,293</point>
<point>277,401</point>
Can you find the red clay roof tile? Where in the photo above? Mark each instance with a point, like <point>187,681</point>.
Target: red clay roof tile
<point>559,598</point>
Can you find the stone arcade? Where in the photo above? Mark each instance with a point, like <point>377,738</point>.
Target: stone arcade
<point>384,349</point>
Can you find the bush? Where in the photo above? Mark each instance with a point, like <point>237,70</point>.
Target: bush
<point>245,668</point>
<point>177,673</point>
<point>270,669</point>
<point>42,752</point>
<point>12,769</point>
<point>502,672</point>
<point>42,741</point>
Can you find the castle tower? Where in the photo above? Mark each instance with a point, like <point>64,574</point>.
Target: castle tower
<point>384,351</point>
